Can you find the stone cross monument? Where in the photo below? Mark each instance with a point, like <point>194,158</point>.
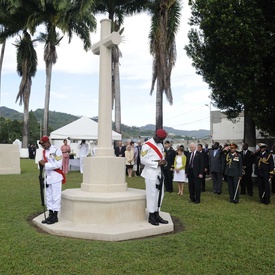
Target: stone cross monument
<point>104,208</point>
<point>103,47</point>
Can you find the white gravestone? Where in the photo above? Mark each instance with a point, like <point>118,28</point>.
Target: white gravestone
<point>9,159</point>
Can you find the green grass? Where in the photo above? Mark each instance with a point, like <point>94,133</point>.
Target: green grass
<point>218,238</point>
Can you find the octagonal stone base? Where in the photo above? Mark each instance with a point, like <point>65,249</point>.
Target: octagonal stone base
<point>104,216</point>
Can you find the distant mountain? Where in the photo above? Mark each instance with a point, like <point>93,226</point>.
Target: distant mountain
<point>189,133</point>
<point>10,113</point>
<point>58,119</point>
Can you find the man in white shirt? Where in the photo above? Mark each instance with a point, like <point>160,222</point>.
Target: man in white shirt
<point>83,152</point>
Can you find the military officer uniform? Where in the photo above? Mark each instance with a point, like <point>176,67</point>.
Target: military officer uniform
<point>53,177</point>
<point>246,181</point>
<point>264,170</point>
<point>152,157</point>
<point>233,171</point>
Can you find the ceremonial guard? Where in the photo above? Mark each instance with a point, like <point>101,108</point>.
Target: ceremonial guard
<point>168,169</point>
<point>246,181</point>
<point>233,171</point>
<point>53,177</point>
<point>264,170</point>
<point>152,157</point>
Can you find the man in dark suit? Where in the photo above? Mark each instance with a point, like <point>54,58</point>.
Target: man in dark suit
<point>168,169</point>
<point>205,160</point>
<point>246,181</point>
<point>120,150</point>
<point>137,151</point>
<point>215,156</point>
<point>264,170</point>
<point>194,168</point>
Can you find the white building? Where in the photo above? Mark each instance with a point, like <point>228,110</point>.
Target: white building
<point>224,130</point>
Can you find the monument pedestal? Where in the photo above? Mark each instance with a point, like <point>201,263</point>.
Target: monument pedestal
<point>104,174</point>
<point>104,208</point>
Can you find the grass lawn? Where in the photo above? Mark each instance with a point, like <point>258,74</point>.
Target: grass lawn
<point>218,237</point>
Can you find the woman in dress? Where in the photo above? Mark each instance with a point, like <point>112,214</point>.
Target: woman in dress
<point>179,169</point>
<point>129,158</point>
<point>66,150</point>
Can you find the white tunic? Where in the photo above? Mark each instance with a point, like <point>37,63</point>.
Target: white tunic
<point>150,158</point>
<point>54,161</point>
<point>151,171</point>
<point>52,178</point>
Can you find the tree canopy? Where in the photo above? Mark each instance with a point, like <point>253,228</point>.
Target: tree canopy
<point>232,46</point>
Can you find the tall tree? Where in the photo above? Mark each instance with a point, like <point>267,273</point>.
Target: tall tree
<point>68,16</point>
<point>165,21</point>
<point>117,10</point>
<point>232,49</point>
<point>26,68</point>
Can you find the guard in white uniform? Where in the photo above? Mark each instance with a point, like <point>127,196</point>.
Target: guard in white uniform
<point>83,152</point>
<point>53,177</point>
<point>152,157</point>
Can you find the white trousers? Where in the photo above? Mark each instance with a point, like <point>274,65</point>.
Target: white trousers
<point>152,195</point>
<point>81,163</point>
<point>53,196</point>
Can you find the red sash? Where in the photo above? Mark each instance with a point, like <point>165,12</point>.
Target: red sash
<point>155,148</point>
<point>58,170</point>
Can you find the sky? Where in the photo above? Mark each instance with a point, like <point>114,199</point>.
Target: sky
<point>74,87</point>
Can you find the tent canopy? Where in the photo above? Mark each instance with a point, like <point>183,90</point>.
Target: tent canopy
<point>82,128</point>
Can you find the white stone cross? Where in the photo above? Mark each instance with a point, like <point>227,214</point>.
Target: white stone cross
<point>104,48</point>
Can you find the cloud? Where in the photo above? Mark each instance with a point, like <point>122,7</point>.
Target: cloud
<point>75,79</point>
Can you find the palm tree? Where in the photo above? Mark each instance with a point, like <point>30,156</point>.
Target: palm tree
<point>26,68</point>
<point>117,10</point>
<point>70,16</point>
<point>13,20</point>
<point>11,24</point>
<point>165,20</point>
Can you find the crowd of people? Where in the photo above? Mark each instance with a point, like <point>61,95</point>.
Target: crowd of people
<point>161,165</point>
<point>226,163</point>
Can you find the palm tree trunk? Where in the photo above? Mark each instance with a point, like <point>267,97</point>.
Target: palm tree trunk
<point>159,107</point>
<point>27,92</point>
<point>49,66</point>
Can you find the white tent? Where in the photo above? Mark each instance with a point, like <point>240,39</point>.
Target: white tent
<point>83,128</point>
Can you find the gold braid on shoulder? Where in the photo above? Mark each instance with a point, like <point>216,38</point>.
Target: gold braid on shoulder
<point>264,160</point>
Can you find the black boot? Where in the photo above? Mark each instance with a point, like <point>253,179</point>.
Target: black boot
<point>50,216</point>
<point>152,219</point>
<point>54,218</point>
<point>159,218</point>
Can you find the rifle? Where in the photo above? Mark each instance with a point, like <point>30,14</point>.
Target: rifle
<point>160,186</point>
<point>42,186</point>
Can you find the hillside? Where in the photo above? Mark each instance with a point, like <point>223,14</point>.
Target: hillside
<point>58,119</point>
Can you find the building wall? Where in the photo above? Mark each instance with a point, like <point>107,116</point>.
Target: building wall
<point>225,130</point>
